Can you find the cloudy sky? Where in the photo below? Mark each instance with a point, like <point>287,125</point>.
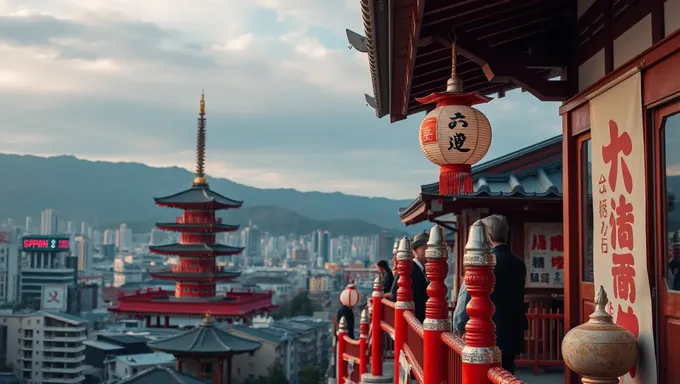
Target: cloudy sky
<point>120,80</point>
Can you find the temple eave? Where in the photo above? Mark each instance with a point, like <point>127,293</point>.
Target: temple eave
<point>196,227</point>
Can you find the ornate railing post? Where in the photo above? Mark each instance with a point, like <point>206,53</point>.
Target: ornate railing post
<point>480,352</point>
<point>376,334</point>
<point>404,298</point>
<point>436,308</point>
<point>341,364</point>
<point>363,342</point>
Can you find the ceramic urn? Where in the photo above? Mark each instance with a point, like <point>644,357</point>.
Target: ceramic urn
<point>599,350</point>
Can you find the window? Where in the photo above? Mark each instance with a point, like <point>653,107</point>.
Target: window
<point>587,211</point>
<point>671,143</point>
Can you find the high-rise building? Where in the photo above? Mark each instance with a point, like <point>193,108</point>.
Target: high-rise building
<point>9,266</point>
<point>29,224</point>
<point>109,237</point>
<point>324,252</point>
<point>46,264</point>
<point>55,352</point>
<point>84,253</point>
<point>84,228</point>
<point>124,237</point>
<point>385,246</point>
<point>48,222</point>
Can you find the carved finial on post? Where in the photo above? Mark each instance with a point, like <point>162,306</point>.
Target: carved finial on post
<point>363,342</point>
<point>436,308</point>
<point>404,297</point>
<point>376,335</point>
<point>585,349</point>
<point>480,352</point>
<point>342,325</point>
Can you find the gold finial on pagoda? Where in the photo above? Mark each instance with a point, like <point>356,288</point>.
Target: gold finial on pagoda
<point>208,320</point>
<point>202,102</point>
<point>200,146</point>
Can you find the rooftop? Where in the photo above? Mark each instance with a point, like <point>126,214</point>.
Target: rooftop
<point>67,317</point>
<point>163,375</point>
<point>215,249</point>
<point>270,335</point>
<point>102,345</point>
<point>145,359</point>
<point>198,195</point>
<point>205,339</point>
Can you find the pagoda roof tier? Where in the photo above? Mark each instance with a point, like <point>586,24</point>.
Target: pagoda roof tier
<point>161,302</point>
<point>206,339</point>
<point>177,275</point>
<point>199,195</point>
<point>197,227</point>
<point>196,249</point>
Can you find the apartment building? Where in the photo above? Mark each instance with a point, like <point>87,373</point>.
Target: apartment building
<point>277,348</point>
<point>126,366</point>
<point>46,347</point>
<point>312,340</point>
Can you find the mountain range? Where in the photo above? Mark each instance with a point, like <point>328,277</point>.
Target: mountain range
<point>106,193</point>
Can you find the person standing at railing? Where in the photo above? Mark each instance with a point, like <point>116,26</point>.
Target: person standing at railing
<point>348,314</point>
<point>386,275</point>
<point>507,296</point>
<point>419,280</point>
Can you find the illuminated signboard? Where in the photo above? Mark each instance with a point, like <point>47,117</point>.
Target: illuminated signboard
<point>45,244</point>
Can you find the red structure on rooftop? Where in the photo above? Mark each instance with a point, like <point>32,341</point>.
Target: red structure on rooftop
<point>197,273</point>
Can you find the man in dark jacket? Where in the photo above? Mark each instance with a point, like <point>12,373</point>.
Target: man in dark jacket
<point>348,314</point>
<point>386,273</point>
<point>507,296</point>
<point>419,280</point>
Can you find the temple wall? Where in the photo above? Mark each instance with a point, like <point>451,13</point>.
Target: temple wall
<point>631,43</point>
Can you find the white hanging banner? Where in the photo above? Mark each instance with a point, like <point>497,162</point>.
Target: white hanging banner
<point>619,214</point>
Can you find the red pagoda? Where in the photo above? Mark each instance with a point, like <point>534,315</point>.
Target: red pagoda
<point>197,272</point>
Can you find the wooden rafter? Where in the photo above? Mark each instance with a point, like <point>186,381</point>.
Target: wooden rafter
<point>509,67</point>
<point>417,13</point>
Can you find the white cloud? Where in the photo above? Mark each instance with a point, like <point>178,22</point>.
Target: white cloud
<point>534,110</point>
<point>239,43</point>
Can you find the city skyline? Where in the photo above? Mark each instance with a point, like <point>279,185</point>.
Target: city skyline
<point>120,81</point>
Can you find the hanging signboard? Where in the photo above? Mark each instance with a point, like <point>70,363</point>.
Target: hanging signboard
<point>620,217</point>
<point>544,255</point>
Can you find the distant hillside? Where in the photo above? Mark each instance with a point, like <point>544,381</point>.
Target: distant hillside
<point>105,192</point>
<point>278,222</point>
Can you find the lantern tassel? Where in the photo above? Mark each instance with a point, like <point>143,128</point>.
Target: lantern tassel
<point>455,179</point>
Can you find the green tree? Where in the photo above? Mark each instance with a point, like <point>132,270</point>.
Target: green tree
<point>300,305</point>
<point>310,375</point>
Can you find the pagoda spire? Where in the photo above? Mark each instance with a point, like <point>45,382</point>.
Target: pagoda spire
<point>200,146</point>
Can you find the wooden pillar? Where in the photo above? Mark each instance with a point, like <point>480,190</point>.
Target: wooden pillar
<point>148,321</point>
<point>341,364</point>
<point>158,321</point>
<point>404,299</point>
<point>199,370</point>
<point>363,342</point>
<point>218,375</point>
<point>377,334</point>
<point>167,321</point>
<point>436,308</point>
<point>179,366</point>
<point>229,369</point>
<point>480,352</point>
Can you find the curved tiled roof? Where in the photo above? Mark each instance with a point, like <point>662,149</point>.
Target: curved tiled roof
<point>176,249</point>
<point>197,194</point>
<point>160,374</point>
<point>542,181</point>
<point>187,227</point>
<point>205,339</point>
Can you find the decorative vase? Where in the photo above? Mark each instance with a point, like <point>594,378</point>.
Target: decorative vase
<point>599,350</point>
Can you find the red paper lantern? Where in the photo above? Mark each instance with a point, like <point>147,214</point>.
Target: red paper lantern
<point>455,136</point>
<point>350,296</point>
